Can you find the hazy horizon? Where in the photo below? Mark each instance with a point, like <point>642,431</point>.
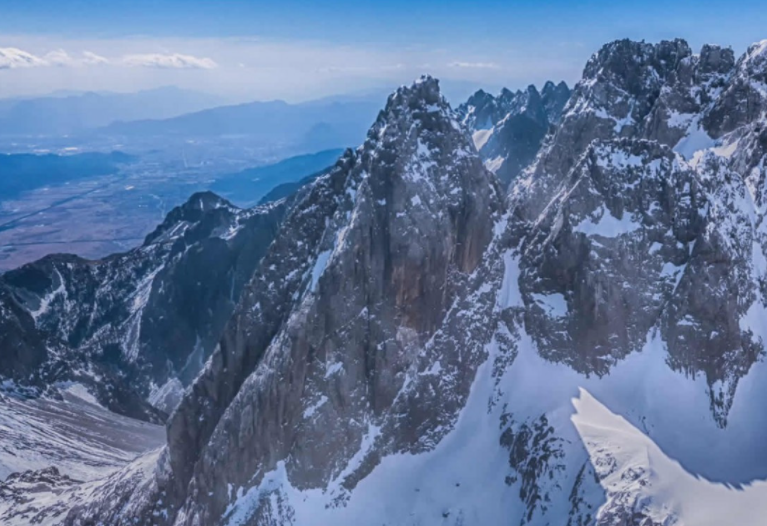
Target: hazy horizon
<point>249,50</point>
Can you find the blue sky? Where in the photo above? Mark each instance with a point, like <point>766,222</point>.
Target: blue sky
<point>301,49</point>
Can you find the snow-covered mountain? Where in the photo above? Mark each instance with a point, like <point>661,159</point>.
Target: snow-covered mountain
<point>133,328</point>
<point>419,347</point>
<point>508,130</point>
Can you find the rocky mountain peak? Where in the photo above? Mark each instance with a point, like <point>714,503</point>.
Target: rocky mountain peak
<point>755,58</point>
<point>415,146</point>
<point>716,59</point>
<point>417,96</point>
<point>694,115</point>
<point>351,300</point>
<point>743,99</point>
<point>198,207</point>
<point>622,82</point>
<point>508,130</point>
<point>506,96</point>
<point>631,65</point>
<point>414,101</point>
<point>554,98</point>
<point>479,98</point>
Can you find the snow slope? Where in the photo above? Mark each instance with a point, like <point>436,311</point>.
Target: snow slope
<point>81,439</point>
<point>637,474</point>
<point>681,450</point>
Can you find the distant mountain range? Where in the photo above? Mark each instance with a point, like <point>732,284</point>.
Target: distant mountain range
<point>248,187</point>
<point>175,113</point>
<point>69,114</point>
<point>508,130</point>
<point>308,126</point>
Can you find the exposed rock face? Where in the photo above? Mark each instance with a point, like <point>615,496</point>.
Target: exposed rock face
<point>682,228</point>
<point>743,99</point>
<point>369,297</point>
<point>24,349</point>
<point>132,323</point>
<point>414,349</point>
<point>554,98</point>
<point>508,130</point>
<point>628,209</point>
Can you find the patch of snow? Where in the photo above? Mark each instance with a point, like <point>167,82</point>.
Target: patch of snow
<point>480,137</point>
<point>495,163</point>
<point>607,225</point>
<point>555,305</point>
<point>695,140</point>
<point>232,231</point>
<point>755,316</point>
<point>726,150</point>
<point>168,396</point>
<point>319,267</point>
<point>673,271</point>
<point>333,368</point>
<point>311,410</point>
<point>78,390</point>
<point>434,370</point>
<point>620,159</point>
<point>82,439</point>
<point>679,120</point>
<point>46,300</point>
<point>508,294</point>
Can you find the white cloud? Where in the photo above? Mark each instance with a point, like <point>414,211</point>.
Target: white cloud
<point>252,68</point>
<point>12,58</point>
<point>59,57</point>
<point>171,61</point>
<point>92,59</point>
<point>474,65</point>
